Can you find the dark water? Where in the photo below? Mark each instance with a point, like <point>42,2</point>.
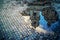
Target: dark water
<point>1,2</point>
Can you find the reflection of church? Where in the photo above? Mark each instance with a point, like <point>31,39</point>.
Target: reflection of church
<point>48,11</point>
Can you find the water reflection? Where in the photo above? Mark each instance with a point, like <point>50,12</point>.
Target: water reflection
<point>43,22</point>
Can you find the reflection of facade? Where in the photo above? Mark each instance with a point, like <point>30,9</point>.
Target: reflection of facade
<point>33,11</point>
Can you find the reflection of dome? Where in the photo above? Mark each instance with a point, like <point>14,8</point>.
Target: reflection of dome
<point>50,15</point>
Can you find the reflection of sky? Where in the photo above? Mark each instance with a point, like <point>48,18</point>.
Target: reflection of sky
<point>43,22</point>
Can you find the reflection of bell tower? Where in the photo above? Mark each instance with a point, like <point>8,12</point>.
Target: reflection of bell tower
<point>35,19</point>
